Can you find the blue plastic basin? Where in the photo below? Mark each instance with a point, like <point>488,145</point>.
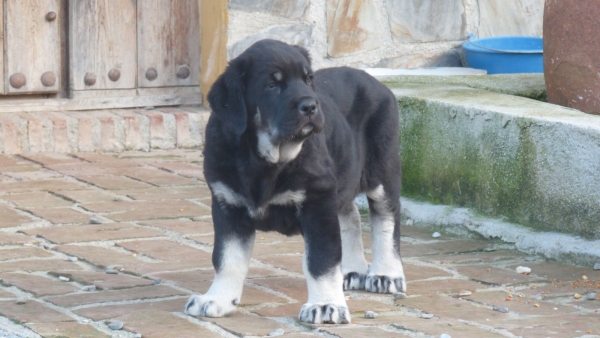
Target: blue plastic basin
<point>506,54</point>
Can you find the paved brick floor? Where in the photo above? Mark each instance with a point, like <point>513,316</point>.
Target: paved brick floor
<point>156,232</point>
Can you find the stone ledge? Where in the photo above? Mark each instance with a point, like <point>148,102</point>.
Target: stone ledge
<point>113,130</point>
<point>509,157</point>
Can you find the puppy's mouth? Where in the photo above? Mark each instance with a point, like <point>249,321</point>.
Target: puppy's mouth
<point>304,132</point>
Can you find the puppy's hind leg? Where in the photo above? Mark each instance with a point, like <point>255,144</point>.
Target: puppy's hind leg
<point>386,273</point>
<point>231,258</point>
<point>354,264</point>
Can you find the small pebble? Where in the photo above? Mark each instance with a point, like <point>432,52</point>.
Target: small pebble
<point>529,259</point>
<point>500,309</point>
<point>21,300</point>
<point>597,266</point>
<point>115,325</point>
<point>95,221</point>
<point>138,335</point>
<point>591,296</point>
<point>277,332</point>
<point>89,288</point>
<point>410,222</point>
<point>489,249</point>
<point>436,235</point>
<point>19,179</point>
<point>63,278</point>
<point>576,296</point>
<point>426,315</point>
<point>524,270</point>
<point>399,295</point>
<point>73,259</point>
<point>464,293</point>
<point>157,281</point>
<point>370,315</point>
<point>111,271</point>
<point>445,335</point>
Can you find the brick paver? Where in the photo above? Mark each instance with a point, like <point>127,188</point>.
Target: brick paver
<point>157,233</point>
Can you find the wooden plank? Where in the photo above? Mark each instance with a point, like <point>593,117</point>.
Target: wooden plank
<point>2,81</point>
<point>32,46</point>
<point>214,22</point>
<point>168,42</point>
<point>157,97</point>
<point>102,38</point>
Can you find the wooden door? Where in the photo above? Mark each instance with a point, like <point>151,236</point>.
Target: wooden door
<point>32,46</point>
<point>102,44</point>
<point>168,43</point>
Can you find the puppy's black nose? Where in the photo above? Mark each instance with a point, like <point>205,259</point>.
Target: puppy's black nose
<point>308,106</point>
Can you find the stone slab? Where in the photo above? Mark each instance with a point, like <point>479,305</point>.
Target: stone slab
<point>93,232</point>
<point>503,156</point>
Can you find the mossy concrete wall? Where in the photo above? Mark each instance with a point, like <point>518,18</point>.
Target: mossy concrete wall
<point>510,157</point>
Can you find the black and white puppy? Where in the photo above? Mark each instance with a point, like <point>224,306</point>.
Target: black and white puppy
<point>288,150</point>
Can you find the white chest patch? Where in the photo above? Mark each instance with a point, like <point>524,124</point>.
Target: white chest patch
<point>227,196</point>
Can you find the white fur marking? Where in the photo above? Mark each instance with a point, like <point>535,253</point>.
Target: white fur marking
<point>327,289</point>
<point>386,262</point>
<point>266,148</point>
<point>377,194</point>
<point>289,150</point>
<point>228,284</point>
<point>226,195</point>
<point>353,257</point>
<point>257,119</point>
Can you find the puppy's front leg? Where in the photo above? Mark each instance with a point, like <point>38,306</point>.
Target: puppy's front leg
<point>321,266</point>
<point>231,257</point>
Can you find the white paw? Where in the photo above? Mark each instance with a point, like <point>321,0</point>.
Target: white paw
<point>385,284</point>
<point>207,306</point>
<point>354,281</point>
<point>324,314</point>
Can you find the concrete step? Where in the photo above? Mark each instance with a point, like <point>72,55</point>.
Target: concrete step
<point>465,142</point>
<point>103,130</point>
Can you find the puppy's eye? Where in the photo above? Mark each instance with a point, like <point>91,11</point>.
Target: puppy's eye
<point>272,84</point>
<point>309,79</point>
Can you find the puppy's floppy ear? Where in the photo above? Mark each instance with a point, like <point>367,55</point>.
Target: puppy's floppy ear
<point>226,97</point>
<point>304,52</point>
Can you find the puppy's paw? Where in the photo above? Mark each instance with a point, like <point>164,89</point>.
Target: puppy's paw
<point>207,306</point>
<point>324,314</point>
<point>354,281</point>
<point>385,284</point>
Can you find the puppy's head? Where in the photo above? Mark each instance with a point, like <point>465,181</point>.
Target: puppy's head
<point>268,92</point>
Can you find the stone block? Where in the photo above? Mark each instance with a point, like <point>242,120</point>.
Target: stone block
<point>113,311</point>
<point>14,134</point>
<point>37,285</point>
<point>39,131</point>
<point>510,17</point>
<point>32,312</point>
<point>163,129</point>
<point>93,232</point>
<point>352,27</point>
<point>289,9</point>
<point>88,131</point>
<point>450,58</point>
<point>142,292</point>
<point>293,34</point>
<point>66,329</point>
<point>137,129</point>
<point>426,20</point>
<point>159,324</point>
<point>65,131</point>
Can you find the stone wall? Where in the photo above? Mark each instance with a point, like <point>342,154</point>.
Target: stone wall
<point>379,33</point>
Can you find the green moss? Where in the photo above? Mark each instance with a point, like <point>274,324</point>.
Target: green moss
<point>491,169</point>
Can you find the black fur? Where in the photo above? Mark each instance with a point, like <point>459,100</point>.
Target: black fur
<point>352,148</point>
